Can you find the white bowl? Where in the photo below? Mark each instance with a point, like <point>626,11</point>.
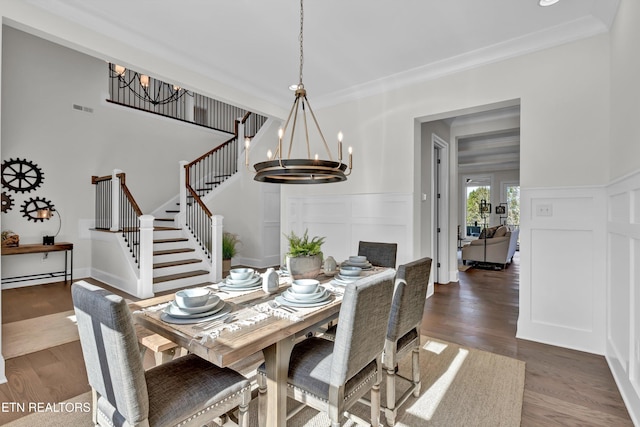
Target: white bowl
<point>194,297</point>
<point>349,270</point>
<point>358,259</point>
<point>305,286</point>
<point>241,273</point>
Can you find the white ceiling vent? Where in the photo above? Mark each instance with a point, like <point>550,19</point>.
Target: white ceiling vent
<point>81,108</point>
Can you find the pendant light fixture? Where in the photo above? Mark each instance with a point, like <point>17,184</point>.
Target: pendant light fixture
<point>281,169</point>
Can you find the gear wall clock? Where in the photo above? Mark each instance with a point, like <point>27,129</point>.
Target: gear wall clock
<point>21,176</point>
<point>31,207</point>
<point>7,202</point>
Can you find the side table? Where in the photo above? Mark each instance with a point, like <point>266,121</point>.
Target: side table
<point>36,249</point>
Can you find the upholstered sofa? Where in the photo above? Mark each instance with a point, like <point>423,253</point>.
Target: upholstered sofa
<point>501,243</point>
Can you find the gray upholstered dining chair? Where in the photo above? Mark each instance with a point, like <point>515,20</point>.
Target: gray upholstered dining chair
<point>188,391</point>
<point>379,253</point>
<point>403,331</point>
<point>331,376</point>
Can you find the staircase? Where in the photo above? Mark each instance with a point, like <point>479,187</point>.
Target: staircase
<point>182,246</point>
<point>176,263</point>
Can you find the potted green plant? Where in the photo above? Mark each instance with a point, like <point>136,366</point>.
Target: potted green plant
<point>304,259</point>
<point>229,249</point>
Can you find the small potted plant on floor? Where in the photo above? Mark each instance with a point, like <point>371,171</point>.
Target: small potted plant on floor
<point>229,249</point>
<point>304,259</point>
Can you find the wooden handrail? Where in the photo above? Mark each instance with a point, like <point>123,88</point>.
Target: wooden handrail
<point>210,152</point>
<point>97,179</point>
<point>127,193</point>
<point>195,195</point>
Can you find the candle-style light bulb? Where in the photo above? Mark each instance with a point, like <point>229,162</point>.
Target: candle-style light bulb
<point>269,154</point>
<point>280,134</point>
<point>340,146</point>
<point>350,158</point>
<point>247,142</point>
<point>316,157</point>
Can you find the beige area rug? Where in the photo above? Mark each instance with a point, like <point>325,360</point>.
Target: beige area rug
<point>464,267</point>
<point>31,335</point>
<point>460,387</point>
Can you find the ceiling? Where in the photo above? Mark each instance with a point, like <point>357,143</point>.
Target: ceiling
<point>351,48</point>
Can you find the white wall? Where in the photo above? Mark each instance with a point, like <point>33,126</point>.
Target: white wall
<point>623,209</point>
<point>623,295</point>
<point>563,93</point>
<point>251,209</point>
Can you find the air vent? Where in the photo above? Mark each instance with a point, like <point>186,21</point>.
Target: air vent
<point>81,108</point>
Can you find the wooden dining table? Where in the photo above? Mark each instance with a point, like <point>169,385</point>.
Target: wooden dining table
<point>275,334</point>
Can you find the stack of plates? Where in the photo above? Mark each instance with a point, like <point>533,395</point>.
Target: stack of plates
<point>341,280</point>
<point>253,282</point>
<point>293,299</point>
<point>213,309</point>
<point>365,265</point>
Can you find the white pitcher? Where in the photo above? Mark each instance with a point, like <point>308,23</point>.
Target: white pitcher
<point>270,281</point>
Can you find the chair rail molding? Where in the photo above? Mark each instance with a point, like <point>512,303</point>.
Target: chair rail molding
<point>347,219</point>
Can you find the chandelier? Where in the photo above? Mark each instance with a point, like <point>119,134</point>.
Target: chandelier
<point>145,88</point>
<point>279,169</point>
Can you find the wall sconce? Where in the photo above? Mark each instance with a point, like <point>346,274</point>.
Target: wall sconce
<point>47,213</point>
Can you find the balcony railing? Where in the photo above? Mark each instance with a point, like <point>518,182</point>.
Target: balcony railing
<point>135,90</point>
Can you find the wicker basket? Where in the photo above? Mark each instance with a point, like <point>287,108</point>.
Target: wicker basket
<point>11,240</point>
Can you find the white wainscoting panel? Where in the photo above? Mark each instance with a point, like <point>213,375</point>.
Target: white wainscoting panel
<point>562,274</point>
<point>623,289</point>
<point>344,220</point>
<point>558,287</point>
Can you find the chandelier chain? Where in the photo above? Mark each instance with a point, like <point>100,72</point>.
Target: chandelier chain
<point>301,40</point>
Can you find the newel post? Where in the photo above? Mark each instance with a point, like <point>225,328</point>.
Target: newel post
<point>181,219</point>
<point>145,285</point>
<point>216,248</point>
<point>115,200</point>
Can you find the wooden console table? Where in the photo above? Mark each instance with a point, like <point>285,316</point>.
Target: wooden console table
<point>37,249</point>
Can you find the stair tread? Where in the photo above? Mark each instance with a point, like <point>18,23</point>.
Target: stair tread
<point>164,219</point>
<point>173,251</point>
<point>177,276</point>
<point>166,229</point>
<point>176,263</point>
<point>174,240</point>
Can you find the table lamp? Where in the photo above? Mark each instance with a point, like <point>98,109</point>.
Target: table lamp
<point>47,213</point>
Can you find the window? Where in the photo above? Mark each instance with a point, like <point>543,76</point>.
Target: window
<point>513,204</point>
<point>477,189</point>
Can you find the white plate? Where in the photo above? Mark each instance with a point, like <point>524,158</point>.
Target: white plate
<point>211,303</point>
<point>165,317</point>
<point>247,282</point>
<point>174,311</point>
<point>363,265</point>
<point>315,297</point>
<point>228,288</point>
<point>283,301</point>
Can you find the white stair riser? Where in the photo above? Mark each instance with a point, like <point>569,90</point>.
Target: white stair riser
<point>174,257</point>
<point>180,283</point>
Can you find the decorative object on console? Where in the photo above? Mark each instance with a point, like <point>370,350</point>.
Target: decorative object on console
<point>304,259</point>
<point>47,213</point>
<point>10,239</point>
<point>279,169</point>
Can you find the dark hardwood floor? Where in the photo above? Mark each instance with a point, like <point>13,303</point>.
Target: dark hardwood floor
<point>562,387</point>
